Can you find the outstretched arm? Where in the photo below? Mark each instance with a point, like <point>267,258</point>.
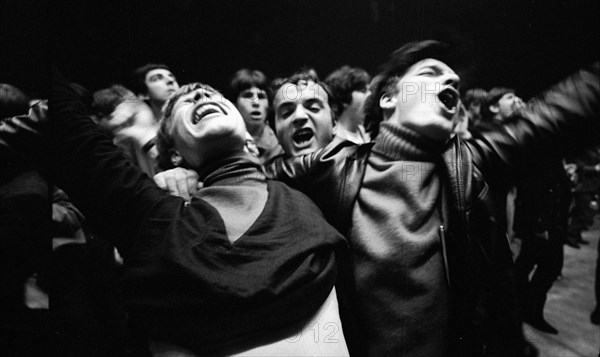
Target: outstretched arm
<point>562,119</point>
<point>95,174</point>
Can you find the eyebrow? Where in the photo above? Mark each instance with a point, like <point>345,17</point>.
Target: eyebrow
<point>434,66</point>
<point>249,90</point>
<point>307,102</point>
<point>313,100</point>
<point>286,104</point>
<point>169,74</point>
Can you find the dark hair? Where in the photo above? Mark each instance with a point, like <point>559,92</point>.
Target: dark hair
<point>246,79</point>
<point>304,74</point>
<point>139,76</point>
<point>345,80</point>
<point>474,95</point>
<point>12,101</point>
<point>106,100</point>
<point>391,72</point>
<point>492,98</point>
<point>164,138</point>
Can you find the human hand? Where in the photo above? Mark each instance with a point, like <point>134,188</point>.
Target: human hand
<point>179,182</point>
<point>250,146</point>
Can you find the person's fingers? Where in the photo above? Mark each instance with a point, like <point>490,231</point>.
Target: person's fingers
<point>181,182</point>
<point>172,185</point>
<point>160,181</point>
<point>192,182</point>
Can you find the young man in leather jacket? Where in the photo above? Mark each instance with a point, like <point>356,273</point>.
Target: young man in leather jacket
<point>429,272</point>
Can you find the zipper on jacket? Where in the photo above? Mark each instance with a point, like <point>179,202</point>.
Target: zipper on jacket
<point>444,253</point>
<point>460,187</point>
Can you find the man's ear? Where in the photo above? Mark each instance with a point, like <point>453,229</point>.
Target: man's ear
<point>494,108</point>
<point>387,101</point>
<point>176,159</point>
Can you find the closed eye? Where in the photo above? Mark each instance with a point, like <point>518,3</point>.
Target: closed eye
<point>314,108</point>
<point>314,105</point>
<point>285,113</point>
<point>428,72</point>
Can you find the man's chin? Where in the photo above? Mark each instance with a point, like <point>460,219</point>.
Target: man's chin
<point>302,151</point>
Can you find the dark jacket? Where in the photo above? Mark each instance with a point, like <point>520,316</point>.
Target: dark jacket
<point>184,282</point>
<point>476,252</point>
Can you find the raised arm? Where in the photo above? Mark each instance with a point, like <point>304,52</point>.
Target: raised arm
<point>314,169</point>
<point>330,177</point>
<point>99,179</point>
<point>562,119</point>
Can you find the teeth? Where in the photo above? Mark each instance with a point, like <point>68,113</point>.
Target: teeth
<point>205,110</point>
<point>303,135</point>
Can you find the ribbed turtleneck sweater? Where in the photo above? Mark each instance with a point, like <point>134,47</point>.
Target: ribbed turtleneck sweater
<point>398,264</point>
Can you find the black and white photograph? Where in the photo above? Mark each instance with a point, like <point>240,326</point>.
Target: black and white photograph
<point>194,178</point>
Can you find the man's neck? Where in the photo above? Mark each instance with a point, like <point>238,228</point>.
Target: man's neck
<point>256,131</point>
<point>348,123</point>
<point>156,109</point>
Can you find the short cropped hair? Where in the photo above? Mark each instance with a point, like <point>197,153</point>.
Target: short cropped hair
<point>304,74</point>
<point>492,98</point>
<point>391,72</point>
<point>12,101</point>
<point>139,76</point>
<point>246,79</point>
<point>345,80</point>
<point>164,137</point>
<point>106,100</point>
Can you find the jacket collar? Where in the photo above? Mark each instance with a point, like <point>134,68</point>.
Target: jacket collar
<point>231,169</point>
<point>400,143</point>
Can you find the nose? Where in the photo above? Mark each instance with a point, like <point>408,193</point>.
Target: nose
<point>170,81</point>
<point>451,79</point>
<point>519,102</point>
<point>300,116</point>
<point>255,100</point>
<point>201,94</point>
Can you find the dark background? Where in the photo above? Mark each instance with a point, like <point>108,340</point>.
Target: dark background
<point>523,44</point>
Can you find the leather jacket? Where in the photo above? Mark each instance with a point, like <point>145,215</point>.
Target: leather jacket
<point>475,249</point>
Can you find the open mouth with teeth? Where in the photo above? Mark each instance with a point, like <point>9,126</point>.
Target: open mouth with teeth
<point>303,136</point>
<point>205,110</point>
<point>449,97</point>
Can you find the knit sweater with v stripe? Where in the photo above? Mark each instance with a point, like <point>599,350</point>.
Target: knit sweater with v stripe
<point>397,251</point>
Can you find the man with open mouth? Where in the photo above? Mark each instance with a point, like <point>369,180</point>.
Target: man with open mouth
<point>303,117</point>
<point>430,270</point>
<point>248,90</point>
<point>230,271</point>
